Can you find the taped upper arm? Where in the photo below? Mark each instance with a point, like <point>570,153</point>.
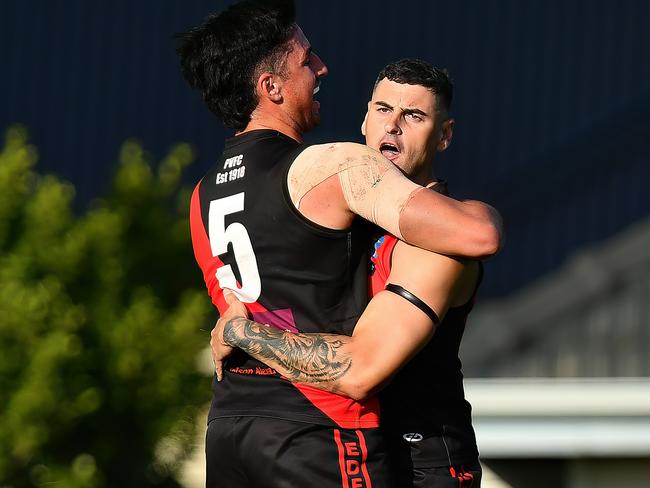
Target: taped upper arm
<point>371,185</point>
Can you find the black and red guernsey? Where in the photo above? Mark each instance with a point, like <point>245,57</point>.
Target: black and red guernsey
<point>424,405</point>
<point>291,273</point>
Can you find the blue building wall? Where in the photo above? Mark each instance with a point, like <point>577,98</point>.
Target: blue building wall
<point>552,100</point>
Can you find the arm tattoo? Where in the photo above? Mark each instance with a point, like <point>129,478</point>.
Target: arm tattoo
<point>303,358</point>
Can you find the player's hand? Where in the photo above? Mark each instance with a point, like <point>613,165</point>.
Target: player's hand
<point>220,350</point>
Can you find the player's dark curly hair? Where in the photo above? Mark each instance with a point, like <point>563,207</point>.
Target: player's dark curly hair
<point>418,72</point>
<point>224,56</point>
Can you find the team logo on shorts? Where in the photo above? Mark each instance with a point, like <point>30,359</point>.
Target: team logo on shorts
<point>412,437</point>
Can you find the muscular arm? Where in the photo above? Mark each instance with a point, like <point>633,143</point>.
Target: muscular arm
<point>331,183</point>
<point>469,228</point>
<point>390,331</point>
<point>318,359</point>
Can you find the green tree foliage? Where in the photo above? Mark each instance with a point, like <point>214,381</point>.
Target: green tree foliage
<point>102,317</point>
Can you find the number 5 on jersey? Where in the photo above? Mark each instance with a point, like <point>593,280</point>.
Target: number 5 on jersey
<point>220,236</point>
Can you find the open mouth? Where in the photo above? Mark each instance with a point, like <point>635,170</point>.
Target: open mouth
<point>316,90</point>
<point>389,150</point>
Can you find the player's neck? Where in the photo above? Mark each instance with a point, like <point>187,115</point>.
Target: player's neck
<point>425,177</point>
<point>273,122</point>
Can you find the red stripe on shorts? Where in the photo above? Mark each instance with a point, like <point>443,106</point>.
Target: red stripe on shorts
<point>364,457</point>
<point>339,445</point>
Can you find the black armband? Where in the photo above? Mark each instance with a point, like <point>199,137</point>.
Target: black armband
<point>407,295</point>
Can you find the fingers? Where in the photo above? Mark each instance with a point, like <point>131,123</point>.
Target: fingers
<point>235,306</point>
<point>219,350</point>
<point>218,367</point>
<point>229,296</point>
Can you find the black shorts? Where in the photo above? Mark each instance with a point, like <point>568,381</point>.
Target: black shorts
<point>428,461</point>
<point>461,476</point>
<point>257,452</point>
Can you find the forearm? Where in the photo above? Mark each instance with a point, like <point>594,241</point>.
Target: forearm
<point>355,366</point>
<point>446,226</point>
<point>370,186</point>
<point>317,359</point>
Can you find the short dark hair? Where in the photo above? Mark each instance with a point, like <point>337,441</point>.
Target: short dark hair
<point>224,55</point>
<point>418,72</point>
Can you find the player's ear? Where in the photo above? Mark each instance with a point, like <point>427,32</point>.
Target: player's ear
<point>365,120</point>
<point>269,87</point>
<point>446,134</point>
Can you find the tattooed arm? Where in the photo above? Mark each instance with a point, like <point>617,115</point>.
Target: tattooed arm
<point>303,358</point>
<point>355,366</point>
<point>390,331</point>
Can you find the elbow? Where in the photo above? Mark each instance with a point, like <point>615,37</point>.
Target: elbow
<point>484,232</point>
<point>486,236</point>
<point>357,389</point>
<point>360,394</point>
<point>366,376</point>
<point>490,241</point>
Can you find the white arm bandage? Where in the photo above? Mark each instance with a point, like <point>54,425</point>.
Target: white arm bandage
<point>372,186</point>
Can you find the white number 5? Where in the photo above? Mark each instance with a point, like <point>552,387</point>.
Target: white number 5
<point>220,236</point>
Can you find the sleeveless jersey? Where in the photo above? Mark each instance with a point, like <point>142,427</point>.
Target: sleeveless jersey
<point>292,274</point>
<point>426,399</point>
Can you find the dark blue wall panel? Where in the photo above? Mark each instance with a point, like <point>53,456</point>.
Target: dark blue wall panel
<point>551,100</point>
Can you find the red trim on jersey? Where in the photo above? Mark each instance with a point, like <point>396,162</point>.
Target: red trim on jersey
<point>207,262</point>
<point>347,413</point>
<point>339,446</point>
<point>382,260</point>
